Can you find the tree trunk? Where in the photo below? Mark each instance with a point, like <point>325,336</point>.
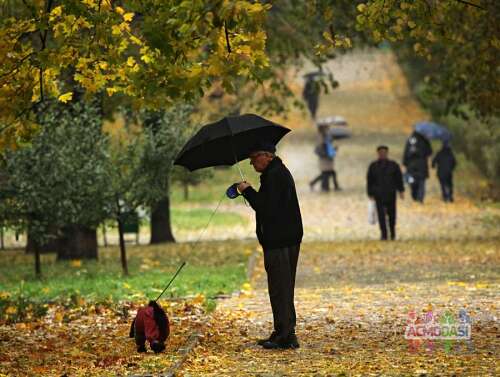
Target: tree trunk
<point>123,251</point>
<point>51,246</point>
<point>38,269</point>
<point>78,242</point>
<point>161,229</point>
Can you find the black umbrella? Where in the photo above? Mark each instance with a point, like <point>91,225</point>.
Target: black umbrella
<point>228,141</point>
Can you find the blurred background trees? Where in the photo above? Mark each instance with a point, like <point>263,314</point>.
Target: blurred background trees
<point>59,180</point>
<point>449,51</point>
<point>97,97</point>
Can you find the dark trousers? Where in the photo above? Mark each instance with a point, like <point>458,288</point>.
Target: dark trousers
<point>281,267</point>
<point>447,187</point>
<point>418,190</point>
<point>324,177</point>
<point>386,209</point>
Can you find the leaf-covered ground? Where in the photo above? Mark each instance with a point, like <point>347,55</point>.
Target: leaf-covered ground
<point>352,301</point>
<point>91,341</point>
<point>76,319</point>
<point>353,292</point>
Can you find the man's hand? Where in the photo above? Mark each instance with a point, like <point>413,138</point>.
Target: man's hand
<point>242,186</point>
<point>402,194</point>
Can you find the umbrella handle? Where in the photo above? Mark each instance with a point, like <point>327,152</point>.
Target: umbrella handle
<point>241,173</point>
<point>234,154</point>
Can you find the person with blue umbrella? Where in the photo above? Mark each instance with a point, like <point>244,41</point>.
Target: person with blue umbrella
<point>417,151</point>
<point>415,159</point>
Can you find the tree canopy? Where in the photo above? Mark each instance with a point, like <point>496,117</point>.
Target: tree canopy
<point>61,178</point>
<point>459,40</point>
<point>151,51</point>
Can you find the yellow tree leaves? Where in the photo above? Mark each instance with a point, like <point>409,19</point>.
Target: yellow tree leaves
<point>172,51</point>
<point>458,38</point>
<point>66,97</point>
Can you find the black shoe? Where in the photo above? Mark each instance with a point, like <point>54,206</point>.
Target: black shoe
<point>141,349</point>
<point>290,343</point>
<point>293,341</point>
<point>271,338</point>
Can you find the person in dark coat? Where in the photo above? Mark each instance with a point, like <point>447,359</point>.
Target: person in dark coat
<point>417,151</point>
<point>150,324</point>
<point>311,94</point>
<point>279,230</point>
<point>383,180</point>
<point>445,162</point>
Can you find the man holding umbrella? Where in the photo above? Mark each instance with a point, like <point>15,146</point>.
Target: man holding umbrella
<point>279,223</point>
<point>279,230</point>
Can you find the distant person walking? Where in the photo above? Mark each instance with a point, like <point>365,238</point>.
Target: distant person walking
<point>311,92</point>
<point>383,180</point>
<point>417,151</point>
<point>326,153</point>
<point>445,162</point>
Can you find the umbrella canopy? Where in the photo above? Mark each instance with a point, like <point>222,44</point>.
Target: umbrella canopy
<point>433,130</point>
<point>228,141</point>
<point>336,133</point>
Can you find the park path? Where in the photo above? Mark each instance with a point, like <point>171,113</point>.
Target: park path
<point>374,98</point>
<point>342,215</point>
<point>352,301</point>
<point>353,292</point>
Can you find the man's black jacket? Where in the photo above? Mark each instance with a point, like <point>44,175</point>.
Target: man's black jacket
<point>384,178</point>
<point>279,223</point>
<point>445,162</point>
<point>417,150</point>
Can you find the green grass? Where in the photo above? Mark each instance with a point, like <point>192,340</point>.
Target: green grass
<point>197,218</point>
<point>213,188</point>
<point>212,268</point>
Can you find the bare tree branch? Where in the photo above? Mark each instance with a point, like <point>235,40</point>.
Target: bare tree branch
<point>470,4</point>
<point>20,63</point>
<point>227,38</point>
